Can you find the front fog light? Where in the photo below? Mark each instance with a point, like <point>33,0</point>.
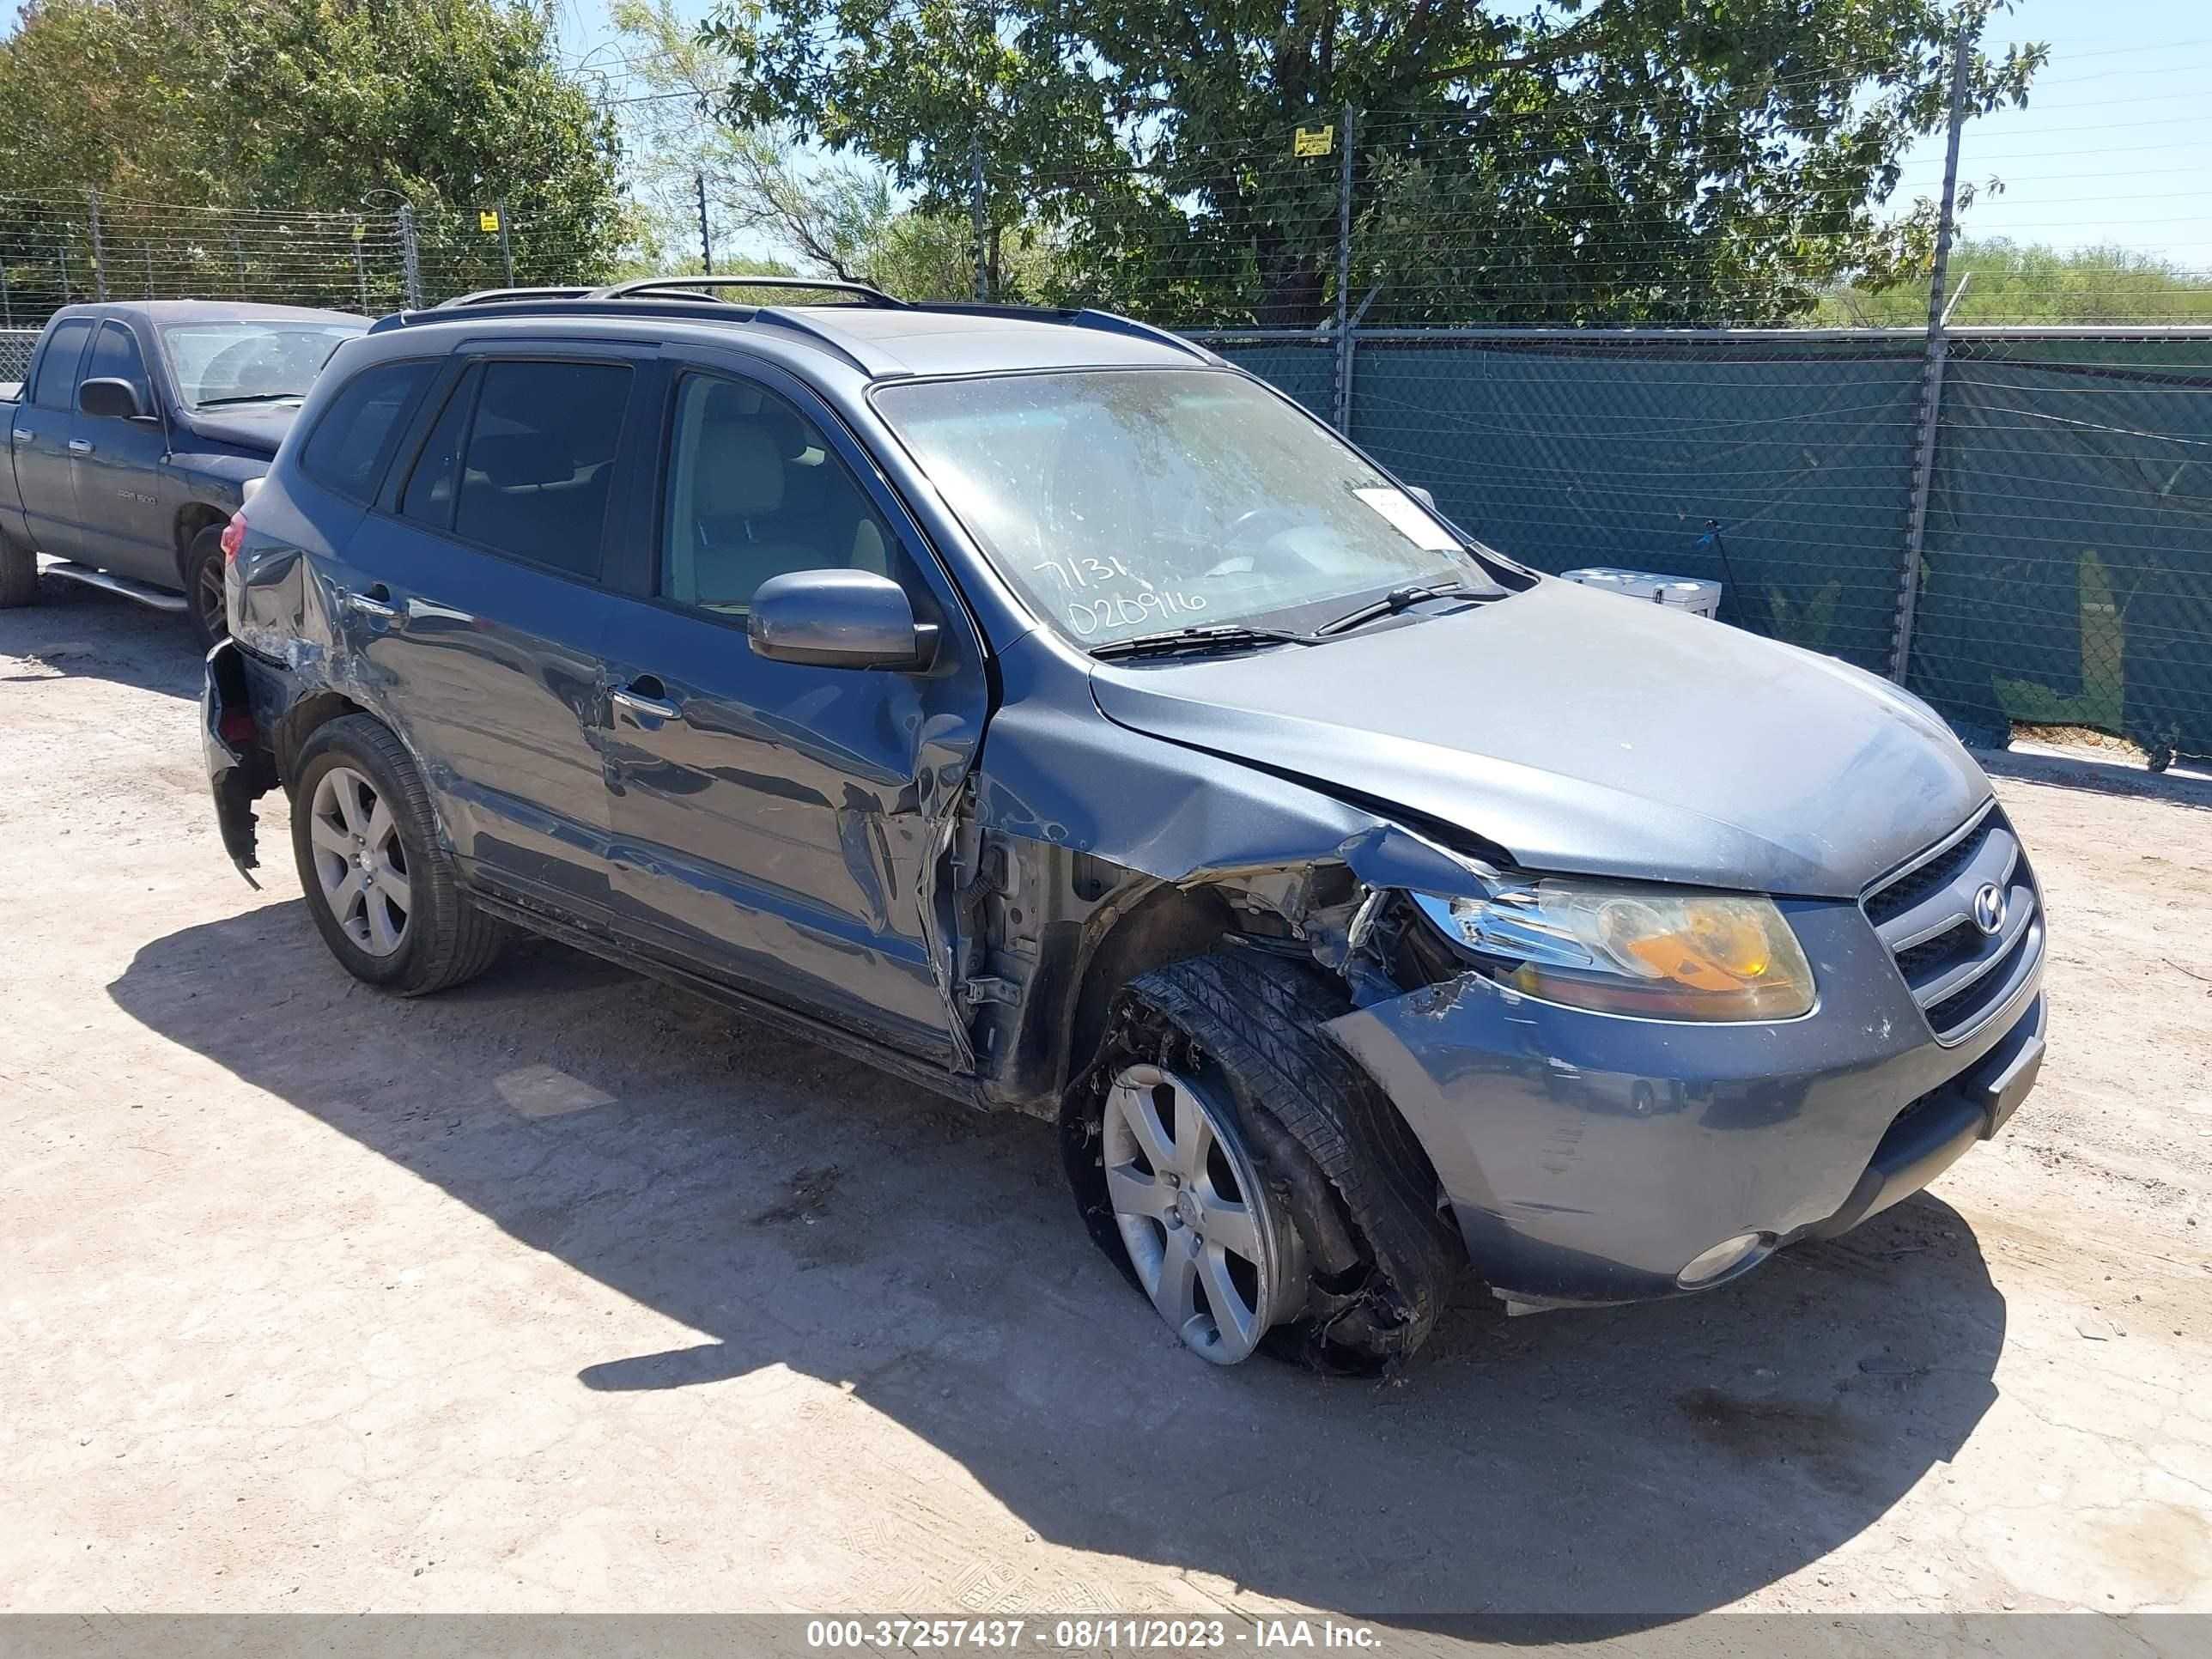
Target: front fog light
<point>1730,1255</point>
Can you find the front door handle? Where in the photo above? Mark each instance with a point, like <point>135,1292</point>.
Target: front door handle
<point>646,697</point>
<point>21,436</point>
<point>79,445</point>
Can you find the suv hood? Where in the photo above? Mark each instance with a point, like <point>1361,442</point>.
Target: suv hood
<point>259,426</point>
<point>1582,731</point>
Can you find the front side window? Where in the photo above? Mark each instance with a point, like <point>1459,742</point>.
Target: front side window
<point>522,459</point>
<point>56,383</point>
<point>755,491</point>
<point>215,364</point>
<point>1124,502</point>
<point>351,442</point>
<point>115,357</point>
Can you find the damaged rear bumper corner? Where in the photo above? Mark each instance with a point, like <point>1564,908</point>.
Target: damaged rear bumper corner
<point>1590,1159</point>
<point>240,767</point>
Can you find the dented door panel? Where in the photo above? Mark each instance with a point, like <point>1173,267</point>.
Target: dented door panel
<point>781,830</point>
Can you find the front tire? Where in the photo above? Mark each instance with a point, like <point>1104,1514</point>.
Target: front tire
<point>385,894</point>
<point>19,575</point>
<point>1343,1208</point>
<point>205,598</point>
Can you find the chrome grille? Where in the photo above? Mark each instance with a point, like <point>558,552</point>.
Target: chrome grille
<point>1957,973</point>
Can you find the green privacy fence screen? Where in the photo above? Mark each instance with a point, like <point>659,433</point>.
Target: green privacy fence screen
<point>2066,569</point>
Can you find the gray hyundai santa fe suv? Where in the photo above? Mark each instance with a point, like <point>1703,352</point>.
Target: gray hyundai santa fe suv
<point>1040,707</point>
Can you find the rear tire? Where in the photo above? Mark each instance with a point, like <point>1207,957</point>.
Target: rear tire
<point>19,575</point>
<point>205,598</point>
<point>384,891</point>
<point>1333,1153</point>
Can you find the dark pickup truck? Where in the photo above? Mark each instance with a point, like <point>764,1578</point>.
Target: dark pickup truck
<point>137,434</point>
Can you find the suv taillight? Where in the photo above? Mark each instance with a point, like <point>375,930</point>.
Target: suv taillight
<point>234,537</point>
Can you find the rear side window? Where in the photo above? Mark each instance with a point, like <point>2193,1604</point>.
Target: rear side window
<point>534,474</point>
<point>115,357</point>
<point>349,445</point>
<point>56,383</point>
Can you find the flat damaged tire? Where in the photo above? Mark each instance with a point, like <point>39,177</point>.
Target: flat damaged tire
<point>19,575</point>
<point>383,889</point>
<point>1346,1208</point>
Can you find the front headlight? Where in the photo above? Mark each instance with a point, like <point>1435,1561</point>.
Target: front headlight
<point>1621,949</point>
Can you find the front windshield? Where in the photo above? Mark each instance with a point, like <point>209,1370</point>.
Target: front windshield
<point>250,362</point>
<point>1126,502</point>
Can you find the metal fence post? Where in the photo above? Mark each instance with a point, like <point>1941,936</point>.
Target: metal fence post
<point>1932,377</point>
<point>979,212</point>
<point>1343,374</point>
<point>706,236</point>
<point>7,300</point>
<point>506,246</point>
<point>238,261</point>
<point>61,247</point>
<point>411,258</point>
<point>98,253</point>
<point>359,268</point>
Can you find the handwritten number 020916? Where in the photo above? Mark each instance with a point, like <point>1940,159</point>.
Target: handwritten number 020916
<point>1108,607</point>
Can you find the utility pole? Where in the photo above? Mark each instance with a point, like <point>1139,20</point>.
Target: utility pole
<point>99,252</point>
<point>411,258</point>
<point>706,236</point>
<point>506,247</point>
<point>1931,374</point>
<point>1344,279</point>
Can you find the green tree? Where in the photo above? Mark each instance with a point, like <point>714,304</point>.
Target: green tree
<point>1578,160</point>
<point>1995,280</point>
<point>770,194</point>
<point>332,105</point>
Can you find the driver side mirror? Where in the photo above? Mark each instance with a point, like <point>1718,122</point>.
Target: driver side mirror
<point>838,619</point>
<point>109,399</point>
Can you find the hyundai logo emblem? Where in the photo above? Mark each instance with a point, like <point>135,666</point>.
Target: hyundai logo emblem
<point>1989,908</point>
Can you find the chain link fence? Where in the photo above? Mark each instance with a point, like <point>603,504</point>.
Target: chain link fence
<point>2014,522</point>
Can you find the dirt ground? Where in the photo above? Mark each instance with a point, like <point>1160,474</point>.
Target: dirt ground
<point>565,1292</point>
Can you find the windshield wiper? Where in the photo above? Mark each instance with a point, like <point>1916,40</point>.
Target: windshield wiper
<point>249,397</point>
<point>1403,598</point>
<point>1227,636</point>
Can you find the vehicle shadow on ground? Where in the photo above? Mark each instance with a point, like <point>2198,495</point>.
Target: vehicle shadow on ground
<point>803,1210</point>
<point>2098,777</point>
<point>79,632</point>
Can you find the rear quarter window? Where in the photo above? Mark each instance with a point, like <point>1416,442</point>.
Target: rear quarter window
<point>353,441</point>
<point>57,382</point>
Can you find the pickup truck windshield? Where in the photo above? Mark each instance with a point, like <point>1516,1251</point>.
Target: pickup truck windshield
<point>1129,503</point>
<point>247,362</point>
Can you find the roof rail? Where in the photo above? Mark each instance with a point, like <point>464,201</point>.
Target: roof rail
<point>1106,322</point>
<point>492,296</point>
<point>686,287</point>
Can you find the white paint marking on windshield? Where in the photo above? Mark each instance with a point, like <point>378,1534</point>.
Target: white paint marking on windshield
<point>1407,519</point>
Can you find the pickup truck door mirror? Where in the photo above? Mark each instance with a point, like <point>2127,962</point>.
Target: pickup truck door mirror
<point>109,399</point>
<point>838,619</point>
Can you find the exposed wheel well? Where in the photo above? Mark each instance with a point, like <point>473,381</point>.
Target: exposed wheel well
<point>302,720</point>
<point>1164,926</point>
<point>191,519</point>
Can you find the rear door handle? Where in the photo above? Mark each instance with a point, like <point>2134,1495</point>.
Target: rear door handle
<point>79,445</point>
<point>377,602</point>
<point>645,696</point>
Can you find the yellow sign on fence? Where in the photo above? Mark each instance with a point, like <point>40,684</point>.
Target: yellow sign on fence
<point>488,220</point>
<point>1314,140</point>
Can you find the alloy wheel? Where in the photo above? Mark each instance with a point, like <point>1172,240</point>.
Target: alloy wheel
<point>208,595</point>
<point>360,861</point>
<point>1213,1252</point>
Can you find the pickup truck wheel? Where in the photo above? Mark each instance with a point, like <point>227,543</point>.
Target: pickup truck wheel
<point>383,891</point>
<point>19,575</point>
<point>204,569</point>
<point>1249,1178</point>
